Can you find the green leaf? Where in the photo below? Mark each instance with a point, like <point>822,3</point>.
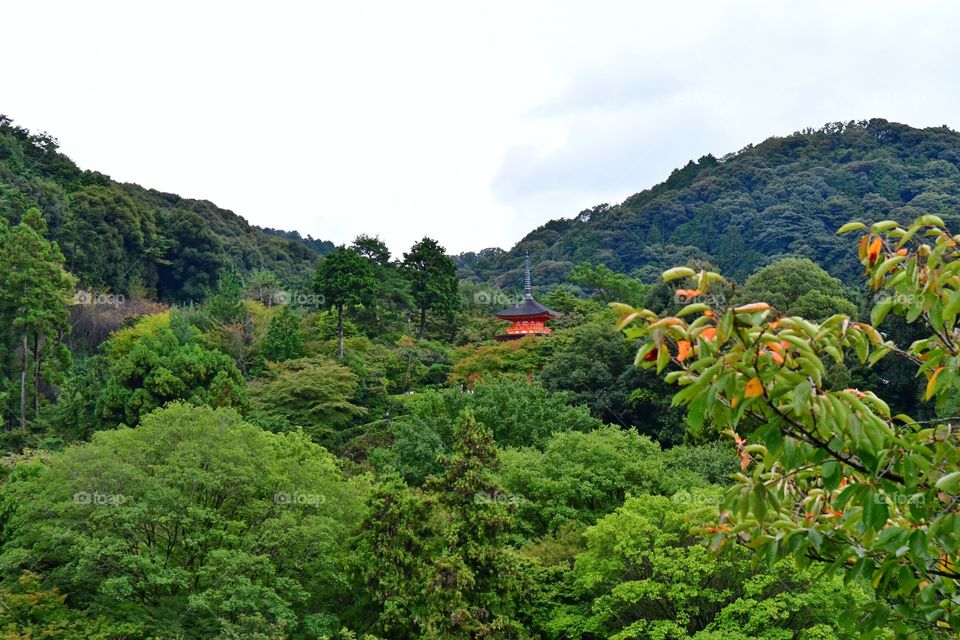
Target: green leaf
<point>851,226</point>
<point>832,474</point>
<point>678,272</point>
<point>950,482</point>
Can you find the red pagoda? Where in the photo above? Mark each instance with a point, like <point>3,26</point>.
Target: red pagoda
<point>528,316</point>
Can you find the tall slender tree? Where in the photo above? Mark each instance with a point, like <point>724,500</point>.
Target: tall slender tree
<point>433,280</point>
<point>344,278</point>
<point>35,291</point>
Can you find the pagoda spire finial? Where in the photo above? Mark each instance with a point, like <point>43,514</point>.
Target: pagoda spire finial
<point>526,280</point>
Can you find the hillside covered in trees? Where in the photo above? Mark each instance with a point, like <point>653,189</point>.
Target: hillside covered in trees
<point>782,197</point>
<point>237,437</point>
<point>125,239</point>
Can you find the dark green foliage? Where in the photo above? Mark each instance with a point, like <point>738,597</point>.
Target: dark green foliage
<point>784,196</point>
<point>225,304</point>
<point>593,364</point>
<point>372,248</point>
<point>123,238</point>
<point>105,239</point>
<point>392,555</point>
<point>34,293</point>
<point>433,280</point>
<point>344,278</point>
<point>454,577</point>
<point>192,261</point>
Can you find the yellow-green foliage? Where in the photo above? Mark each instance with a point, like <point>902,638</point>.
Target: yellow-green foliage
<point>123,340</point>
<point>474,362</point>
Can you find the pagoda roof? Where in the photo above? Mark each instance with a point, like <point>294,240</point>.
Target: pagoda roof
<point>527,308</point>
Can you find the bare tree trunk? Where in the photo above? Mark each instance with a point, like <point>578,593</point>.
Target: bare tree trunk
<point>25,360</point>
<point>340,331</point>
<point>36,375</point>
<point>423,321</point>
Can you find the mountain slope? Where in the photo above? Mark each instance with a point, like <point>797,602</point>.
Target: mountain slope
<point>124,238</point>
<point>785,196</point>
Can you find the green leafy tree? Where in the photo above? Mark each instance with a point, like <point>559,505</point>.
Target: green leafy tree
<point>433,280</point>
<point>190,265</point>
<point>607,285</point>
<point>437,564</point>
<point>829,475</point>
<point>474,587</point>
<point>313,393</point>
<point>523,414</point>
<point>392,552</point>
<point>452,576</point>
<point>372,248</point>
<point>225,304</point>
<point>195,525</point>
<point>284,339</point>
<point>583,476</point>
<point>263,286</point>
<point>645,575</point>
<point>344,278</point>
<point>142,369</point>
<point>34,294</point>
<point>593,365</point>
<point>797,287</point>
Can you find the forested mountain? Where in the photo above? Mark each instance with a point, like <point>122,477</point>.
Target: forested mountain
<point>339,447</point>
<point>784,196</point>
<point>123,238</point>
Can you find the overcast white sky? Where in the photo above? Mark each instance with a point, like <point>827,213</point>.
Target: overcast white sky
<point>471,122</point>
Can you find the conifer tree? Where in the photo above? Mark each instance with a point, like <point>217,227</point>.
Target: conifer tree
<point>344,278</point>
<point>34,293</point>
<point>433,280</point>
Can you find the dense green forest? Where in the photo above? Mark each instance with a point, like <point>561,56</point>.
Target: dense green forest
<point>124,239</point>
<point>782,197</point>
<point>211,430</point>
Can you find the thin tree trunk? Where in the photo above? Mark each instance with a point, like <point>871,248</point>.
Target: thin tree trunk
<point>423,321</point>
<point>23,382</point>
<point>340,331</point>
<point>36,375</point>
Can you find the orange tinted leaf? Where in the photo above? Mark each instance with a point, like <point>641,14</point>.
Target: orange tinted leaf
<point>754,388</point>
<point>683,350</point>
<point>710,333</point>
<point>873,252</point>
<point>932,384</point>
<point>751,308</point>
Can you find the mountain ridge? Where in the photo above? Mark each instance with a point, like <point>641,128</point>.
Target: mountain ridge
<point>785,196</point>
<point>126,238</point>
